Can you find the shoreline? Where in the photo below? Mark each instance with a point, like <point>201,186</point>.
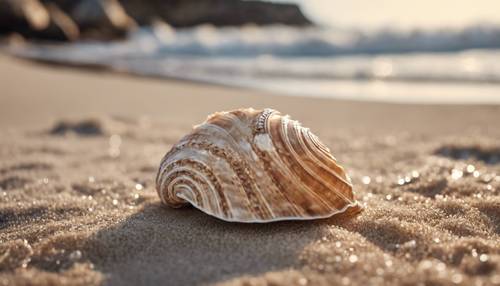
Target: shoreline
<point>99,94</point>
<point>416,91</point>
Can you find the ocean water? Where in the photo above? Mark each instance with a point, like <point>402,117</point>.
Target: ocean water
<point>415,66</point>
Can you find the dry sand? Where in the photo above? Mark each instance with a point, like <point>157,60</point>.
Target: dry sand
<point>79,152</point>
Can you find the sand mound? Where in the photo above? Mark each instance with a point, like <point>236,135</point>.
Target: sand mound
<point>84,127</point>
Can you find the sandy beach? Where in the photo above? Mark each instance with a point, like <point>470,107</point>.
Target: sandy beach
<point>79,150</point>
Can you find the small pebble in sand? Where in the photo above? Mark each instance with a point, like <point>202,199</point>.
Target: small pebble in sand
<point>366,198</point>
<point>425,264</point>
<point>353,258</point>
<point>75,255</point>
<point>457,278</point>
<point>366,180</point>
<point>411,244</point>
<point>484,257</point>
<point>388,263</point>
<point>470,168</point>
<point>456,174</point>
<point>487,178</point>
<point>138,187</point>
<point>345,281</point>
<point>476,174</point>
<point>115,142</point>
<point>441,267</point>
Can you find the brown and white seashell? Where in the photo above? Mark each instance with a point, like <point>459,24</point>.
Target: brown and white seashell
<point>248,165</point>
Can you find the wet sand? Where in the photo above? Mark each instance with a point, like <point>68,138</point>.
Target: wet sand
<point>79,151</point>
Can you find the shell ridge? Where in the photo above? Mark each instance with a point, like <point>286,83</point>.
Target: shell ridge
<point>233,159</point>
<point>311,155</point>
<point>173,150</point>
<point>270,171</point>
<point>320,163</point>
<point>165,165</point>
<point>186,182</point>
<point>247,173</point>
<point>284,125</point>
<point>190,175</point>
<point>289,175</point>
<point>318,144</point>
<point>211,180</point>
<point>284,138</point>
<point>325,167</point>
<point>266,210</point>
<point>187,189</point>
<point>267,169</point>
<point>189,184</point>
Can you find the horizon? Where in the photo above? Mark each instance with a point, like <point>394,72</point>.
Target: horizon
<point>426,14</point>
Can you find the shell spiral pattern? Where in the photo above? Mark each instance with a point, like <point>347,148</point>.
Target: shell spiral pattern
<point>252,165</point>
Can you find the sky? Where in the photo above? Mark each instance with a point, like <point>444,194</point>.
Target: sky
<point>401,13</point>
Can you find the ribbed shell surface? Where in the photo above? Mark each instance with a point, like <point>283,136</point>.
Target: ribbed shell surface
<point>252,165</point>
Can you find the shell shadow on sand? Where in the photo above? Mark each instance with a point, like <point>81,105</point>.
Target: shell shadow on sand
<point>158,244</point>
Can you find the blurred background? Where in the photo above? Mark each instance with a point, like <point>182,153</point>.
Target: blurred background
<point>383,50</point>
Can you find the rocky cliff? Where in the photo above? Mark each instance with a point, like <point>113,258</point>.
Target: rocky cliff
<point>68,20</point>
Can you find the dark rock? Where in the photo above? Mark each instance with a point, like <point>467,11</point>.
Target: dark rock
<point>14,182</point>
<point>86,127</point>
<point>61,27</point>
<point>187,13</point>
<point>22,16</point>
<point>32,19</point>
<point>101,19</point>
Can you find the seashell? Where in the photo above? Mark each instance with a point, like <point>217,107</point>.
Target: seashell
<point>248,165</point>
